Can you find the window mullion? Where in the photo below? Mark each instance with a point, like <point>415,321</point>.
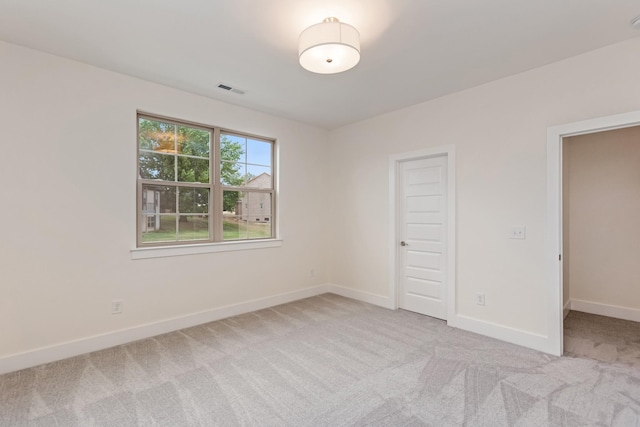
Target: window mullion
<point>175,149</point>
<point>174,184</point>
<point>139,215</point>
<point>177,213</point>
<point>175,177</point>
<point>216,189</point>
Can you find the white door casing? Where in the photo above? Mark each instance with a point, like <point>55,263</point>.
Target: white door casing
<point>422,233</point>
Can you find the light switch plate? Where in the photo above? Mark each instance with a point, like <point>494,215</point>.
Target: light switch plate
<point>519,232</point>
<point>116,306</point>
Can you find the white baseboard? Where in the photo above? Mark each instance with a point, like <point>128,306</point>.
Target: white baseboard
<point>52,353</point>
<point>503,333</point>
<point>64,350</point>
<point>566,309</point>
<point>379,300</point>
<point>618,312</point>
<point>493,330</point>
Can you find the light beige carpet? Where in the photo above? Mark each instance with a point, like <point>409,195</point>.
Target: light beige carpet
<point>602,338</point>
<point>323,361</point>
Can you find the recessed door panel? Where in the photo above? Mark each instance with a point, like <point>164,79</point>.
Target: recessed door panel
<point>423,288</point>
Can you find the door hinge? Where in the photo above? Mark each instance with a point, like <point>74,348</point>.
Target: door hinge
<point>560,257</point>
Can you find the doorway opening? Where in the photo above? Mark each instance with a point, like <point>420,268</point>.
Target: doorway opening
<point>601,245</point>
<point>558,293</point>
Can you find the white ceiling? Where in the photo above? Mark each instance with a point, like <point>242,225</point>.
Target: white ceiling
<point>412,50</point>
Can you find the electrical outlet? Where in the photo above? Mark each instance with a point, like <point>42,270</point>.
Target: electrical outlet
<point>479,298</point>
<point>116,306</point>
<point>518,232</point>
<point>312,273</point>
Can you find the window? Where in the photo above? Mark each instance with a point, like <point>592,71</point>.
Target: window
<point>200,184</point>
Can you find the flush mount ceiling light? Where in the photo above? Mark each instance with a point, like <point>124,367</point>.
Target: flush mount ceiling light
<point>329,47</point>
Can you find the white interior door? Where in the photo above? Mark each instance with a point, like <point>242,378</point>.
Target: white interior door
<point>422,236</point>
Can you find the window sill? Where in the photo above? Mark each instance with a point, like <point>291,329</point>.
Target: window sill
<point>203,248</point>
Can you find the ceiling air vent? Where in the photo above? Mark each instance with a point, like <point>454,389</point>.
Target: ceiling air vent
<point>231,89</point>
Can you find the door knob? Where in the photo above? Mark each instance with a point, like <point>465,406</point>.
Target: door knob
<point>403,243</point>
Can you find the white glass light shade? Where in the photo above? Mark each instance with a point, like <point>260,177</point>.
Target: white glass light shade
<point>329,47</point>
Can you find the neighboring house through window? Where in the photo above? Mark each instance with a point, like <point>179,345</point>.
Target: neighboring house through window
<point>256,207</point>
<point>200,184</point>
